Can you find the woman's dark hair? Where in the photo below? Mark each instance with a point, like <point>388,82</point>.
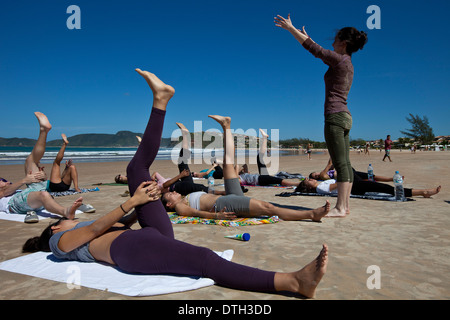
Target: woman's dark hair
<point>118,179</point>
<point>303,188</point>
<point>41,243</point>
<point>164,202</point>
<point>355,39</point>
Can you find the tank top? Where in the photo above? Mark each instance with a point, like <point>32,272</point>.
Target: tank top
<point>79,254</point>
<point>194,199</point>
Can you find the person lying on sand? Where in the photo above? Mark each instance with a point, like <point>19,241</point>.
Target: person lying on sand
<point>61,181</point>
<point>360,187</point>
<point>234,204</point>
<point>35,197</point>
<point>183,182</point>
<point>330,173</point>
<point>153,249</point>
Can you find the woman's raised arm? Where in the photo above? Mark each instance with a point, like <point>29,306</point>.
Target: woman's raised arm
<point>286,24</point>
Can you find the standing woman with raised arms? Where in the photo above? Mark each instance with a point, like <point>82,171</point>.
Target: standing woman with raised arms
<point>338,81</point>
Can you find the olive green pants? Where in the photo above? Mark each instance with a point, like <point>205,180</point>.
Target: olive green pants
<point>337,137</point>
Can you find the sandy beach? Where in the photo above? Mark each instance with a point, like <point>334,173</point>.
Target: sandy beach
<point>409,241</point>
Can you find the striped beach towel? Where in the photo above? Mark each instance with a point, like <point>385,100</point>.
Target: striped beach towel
<point>176,219</point>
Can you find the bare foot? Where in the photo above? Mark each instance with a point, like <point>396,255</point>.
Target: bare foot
<point>44,124</point>
<point>309,277</point>
<point>431,192</point>
<point>264,135</point>
<point>182,127</point>
<point>336,213</point>
<point>64,138</point>
<point>321,212</point>
<point>224,121</point>
<point>69,212</point>
<point>161,91</point>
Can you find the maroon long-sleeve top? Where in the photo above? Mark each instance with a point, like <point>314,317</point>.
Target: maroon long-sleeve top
<point>338,78</point>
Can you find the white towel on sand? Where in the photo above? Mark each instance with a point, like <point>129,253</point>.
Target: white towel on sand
<point>43,214</point>
<point>104,277</point>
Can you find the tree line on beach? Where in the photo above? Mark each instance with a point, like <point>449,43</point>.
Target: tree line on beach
<point>420,133</point>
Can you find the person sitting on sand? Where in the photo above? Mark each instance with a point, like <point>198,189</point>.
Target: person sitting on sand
<point>35,197</point>
<point>234,203</point>
<point>360,187</point>
<point>330,173</point>
<point>153,249</point>
<point>61,181</point>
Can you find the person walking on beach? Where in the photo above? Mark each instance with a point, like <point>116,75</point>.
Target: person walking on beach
<point>366,149</point>
<point>309,150</point>
<point>338,81</point>
<point>153,249</point>
<point>387,148</point>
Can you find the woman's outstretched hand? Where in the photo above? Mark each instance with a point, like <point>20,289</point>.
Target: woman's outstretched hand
<point>286,24</point>
<point>146,192</point>
<point>283,22</point>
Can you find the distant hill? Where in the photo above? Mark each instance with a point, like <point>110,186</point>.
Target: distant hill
<point>120,139</point>
<point>17,142</point>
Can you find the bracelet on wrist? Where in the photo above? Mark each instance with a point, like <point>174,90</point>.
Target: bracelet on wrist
<point>123,209</point>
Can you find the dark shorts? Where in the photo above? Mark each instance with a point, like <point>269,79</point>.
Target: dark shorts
<point>234,201</point>
<point>58,187</point>
<point>265,180</point>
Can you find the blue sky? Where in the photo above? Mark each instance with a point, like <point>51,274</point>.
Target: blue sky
<point>222,57</point>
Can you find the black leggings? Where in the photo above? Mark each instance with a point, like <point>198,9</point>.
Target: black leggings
<point>262,168</point>
<point>264,178</point>
<point>153,248</point>
<point>186,185</point>
<point>360,187</point>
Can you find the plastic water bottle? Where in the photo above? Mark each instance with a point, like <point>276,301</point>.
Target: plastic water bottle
<point>398,183</point>
<point>370,173</point>
<point>211,185</point>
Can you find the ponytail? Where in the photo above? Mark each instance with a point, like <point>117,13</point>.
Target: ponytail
<point>40,243</point>
<point>356,40</point>
<point>34,245</point>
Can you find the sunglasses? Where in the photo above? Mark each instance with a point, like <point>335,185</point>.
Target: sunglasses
<point>3,180</point>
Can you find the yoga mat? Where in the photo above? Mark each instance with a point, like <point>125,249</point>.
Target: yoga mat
<point>104,277</point>
<point>43,214</point>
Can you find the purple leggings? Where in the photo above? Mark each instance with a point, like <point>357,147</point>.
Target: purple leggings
<point>153,248</point>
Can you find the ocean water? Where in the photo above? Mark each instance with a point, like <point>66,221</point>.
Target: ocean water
<point>17,155</point>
